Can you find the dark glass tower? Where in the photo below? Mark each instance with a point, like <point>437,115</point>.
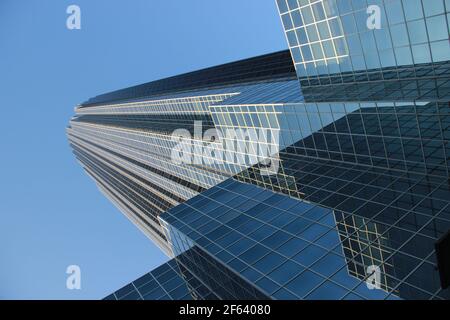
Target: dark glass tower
<point>361,190</point>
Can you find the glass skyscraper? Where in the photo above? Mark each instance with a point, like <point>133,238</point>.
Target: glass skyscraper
<point>360,108</point>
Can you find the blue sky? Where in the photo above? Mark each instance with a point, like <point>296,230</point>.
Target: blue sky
<point>51,213</point>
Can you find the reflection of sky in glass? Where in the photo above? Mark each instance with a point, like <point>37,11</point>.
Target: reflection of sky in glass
<point>315,36</point>
<point>313,263</point>
<point>330,36</point>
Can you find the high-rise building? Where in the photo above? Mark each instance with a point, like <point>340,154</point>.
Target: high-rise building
<point>124,139</point>
<point>356,118</point>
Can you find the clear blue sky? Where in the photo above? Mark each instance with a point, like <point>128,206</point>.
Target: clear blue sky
<point>51,213</point>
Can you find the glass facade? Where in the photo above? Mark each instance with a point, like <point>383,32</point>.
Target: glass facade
<point>288,248</point>
<point>124,140</point>
<point>359,106</point>
<point>167,282</point>
<point>333,40</point>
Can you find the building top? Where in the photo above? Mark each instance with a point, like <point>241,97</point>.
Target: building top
<point>271,66</point>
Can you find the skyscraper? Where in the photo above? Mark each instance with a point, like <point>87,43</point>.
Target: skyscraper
<point>124,141</point>
<point>358,193</point>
